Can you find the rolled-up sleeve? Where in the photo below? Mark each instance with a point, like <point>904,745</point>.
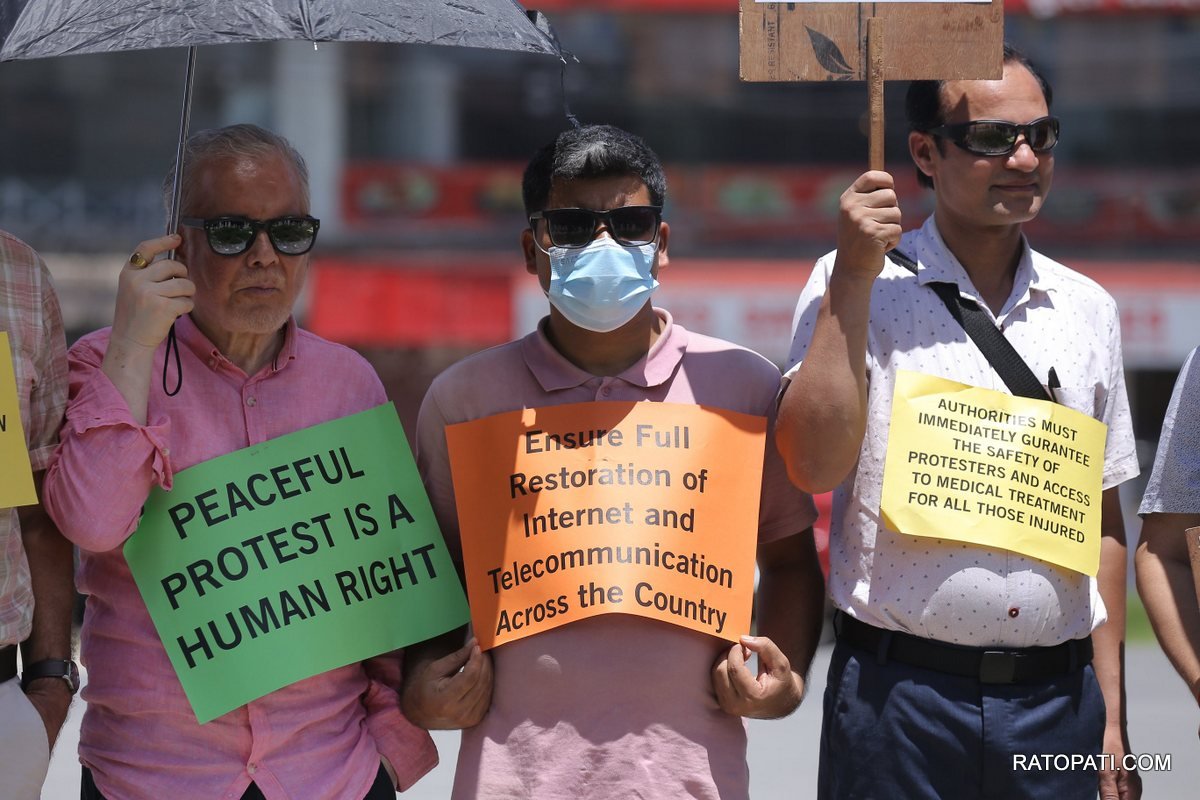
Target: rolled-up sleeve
<point>106,462</point>
<point>409,749</point>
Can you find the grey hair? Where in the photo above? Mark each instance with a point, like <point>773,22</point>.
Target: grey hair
<point>232,141</point>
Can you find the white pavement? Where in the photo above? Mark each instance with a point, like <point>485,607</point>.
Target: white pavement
<point>783,753</point>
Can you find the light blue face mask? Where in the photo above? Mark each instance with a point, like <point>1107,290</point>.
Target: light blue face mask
<point>602,286</point>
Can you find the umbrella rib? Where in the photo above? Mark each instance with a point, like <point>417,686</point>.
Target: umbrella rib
<point>306,21</point>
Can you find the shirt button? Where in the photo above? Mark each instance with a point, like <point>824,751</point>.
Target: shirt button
<point>606,391</point>
<point>252,768</point>
<point>166,451</point>
<point>250,401</point>
<point>1014,612</point>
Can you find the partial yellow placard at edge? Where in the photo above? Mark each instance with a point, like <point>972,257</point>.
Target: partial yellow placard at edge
<point>981,466</point>
<point>16,474</point>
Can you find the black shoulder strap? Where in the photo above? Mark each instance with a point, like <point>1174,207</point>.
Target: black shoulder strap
<point>999,352</point>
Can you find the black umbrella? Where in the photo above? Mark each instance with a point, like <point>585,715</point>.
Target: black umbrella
<point>41,28</point>
<point>44,28</point>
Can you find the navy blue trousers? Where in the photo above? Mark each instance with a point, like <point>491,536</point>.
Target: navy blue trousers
<point>895,732</point>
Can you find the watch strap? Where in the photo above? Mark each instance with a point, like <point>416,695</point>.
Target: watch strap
<point>61,668</point>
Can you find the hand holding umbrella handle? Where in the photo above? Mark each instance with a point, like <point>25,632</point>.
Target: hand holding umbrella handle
<point>149,299</point>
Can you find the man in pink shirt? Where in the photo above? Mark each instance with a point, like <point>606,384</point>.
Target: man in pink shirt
<point>249,374</point>
<point>614,706</point>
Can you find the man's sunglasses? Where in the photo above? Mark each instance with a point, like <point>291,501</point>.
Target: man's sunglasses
<point>231,236</point>
<point>993,137</point>
<point>576,227</point>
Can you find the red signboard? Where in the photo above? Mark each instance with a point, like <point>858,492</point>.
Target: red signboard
<point>727,205</point>
<point>477,300</point>
<point>430,299</point>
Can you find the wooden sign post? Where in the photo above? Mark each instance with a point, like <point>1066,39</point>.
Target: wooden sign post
<point>871,41</point>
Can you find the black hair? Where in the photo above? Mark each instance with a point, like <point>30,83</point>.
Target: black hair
<point>591,151</point>
<point>923,103</point>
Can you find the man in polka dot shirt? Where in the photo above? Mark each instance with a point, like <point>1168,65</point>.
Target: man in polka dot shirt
<point>954,661</point>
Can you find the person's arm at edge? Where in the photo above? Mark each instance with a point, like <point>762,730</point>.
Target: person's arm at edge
<point>791,599</point>
<point>51,571</point>
<point>1167,588</point>
<point>790,603</point>
<point>1109,641</point>
<point>447,680</point>
<point>823,412</point>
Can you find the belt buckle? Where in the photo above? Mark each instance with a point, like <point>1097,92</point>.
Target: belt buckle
<point>997,666</point>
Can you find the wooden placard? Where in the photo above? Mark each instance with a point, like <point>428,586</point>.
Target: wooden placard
<point>1193,545</point>
<point>819,41</point>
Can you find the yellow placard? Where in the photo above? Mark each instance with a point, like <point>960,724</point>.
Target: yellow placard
<point>16,475</point>
<point>571,511</point>
<point>976,465</point>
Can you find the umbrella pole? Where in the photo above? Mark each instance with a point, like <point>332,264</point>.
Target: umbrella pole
<point>184,123</point>
<point>185,120</point>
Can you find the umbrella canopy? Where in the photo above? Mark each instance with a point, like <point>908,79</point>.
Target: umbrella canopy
<point>43,28</point>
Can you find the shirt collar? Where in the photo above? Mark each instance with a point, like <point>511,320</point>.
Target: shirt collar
<point>554,372</point>
<point>938,265</point>
<point>201,346</point>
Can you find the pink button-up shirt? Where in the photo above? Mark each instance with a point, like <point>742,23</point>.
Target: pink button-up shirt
<point>616,706</point>
<point>319,738</point>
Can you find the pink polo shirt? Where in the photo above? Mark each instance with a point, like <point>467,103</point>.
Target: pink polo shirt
<point>319,738</point>
<point>615,706</point>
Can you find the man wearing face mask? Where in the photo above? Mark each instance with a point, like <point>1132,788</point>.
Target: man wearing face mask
<point>614,705</point>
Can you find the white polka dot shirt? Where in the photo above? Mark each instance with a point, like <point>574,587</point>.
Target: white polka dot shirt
<point>942,589</point>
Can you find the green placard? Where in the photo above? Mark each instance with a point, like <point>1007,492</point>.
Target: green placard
<point>293,557</point>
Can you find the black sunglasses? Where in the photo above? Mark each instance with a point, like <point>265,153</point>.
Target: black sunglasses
<point>994,137</point>
<point>576,227</point>
<point>231,236</point>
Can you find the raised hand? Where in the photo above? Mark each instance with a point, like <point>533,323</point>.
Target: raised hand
<point>150,297</point>
<point>868,224</point>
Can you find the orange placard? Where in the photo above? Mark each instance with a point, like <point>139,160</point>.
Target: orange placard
<point>571,511</point>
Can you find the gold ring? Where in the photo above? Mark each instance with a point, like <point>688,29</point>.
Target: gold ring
<point>138,260</point>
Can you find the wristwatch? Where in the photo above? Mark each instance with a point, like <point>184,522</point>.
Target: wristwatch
<point>52,668</point>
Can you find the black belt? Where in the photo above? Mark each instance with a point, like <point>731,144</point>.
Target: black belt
<point>8,662</point>
<point>988,665</point>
